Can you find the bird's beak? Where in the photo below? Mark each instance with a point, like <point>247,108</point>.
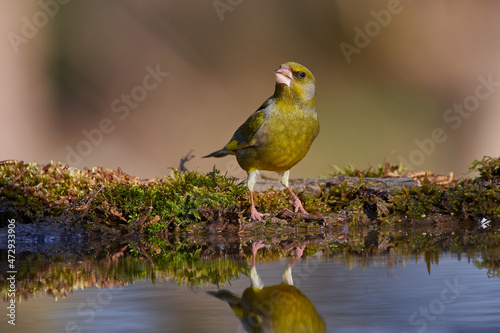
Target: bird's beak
<point>284,75</point>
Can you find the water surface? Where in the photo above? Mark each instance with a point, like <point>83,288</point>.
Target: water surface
<point>416,277</point>
<point>380,293</point>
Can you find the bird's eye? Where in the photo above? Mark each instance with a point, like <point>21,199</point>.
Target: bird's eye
<point>302,74</point>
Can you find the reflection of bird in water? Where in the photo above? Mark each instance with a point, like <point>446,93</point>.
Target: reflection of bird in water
<point>278,308</point>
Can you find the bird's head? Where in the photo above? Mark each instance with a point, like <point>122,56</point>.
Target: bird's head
<point>295,81</point>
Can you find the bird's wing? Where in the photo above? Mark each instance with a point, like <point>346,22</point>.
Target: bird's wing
<point>245,134</point>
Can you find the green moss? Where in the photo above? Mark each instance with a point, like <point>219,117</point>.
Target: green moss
<point>374,171</point>
<point>172,202</point>
<point>475,198</point>
<point>271,201</point>
<point>488,168</point>
<point>418,200</point>
<point>48,182</point>
<point>113,200</point>
<point>469,198</point>
<point>315,205</point>
<point>32,192</point>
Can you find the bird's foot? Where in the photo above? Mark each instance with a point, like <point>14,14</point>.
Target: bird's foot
<point>256,216</point>
<point>296,202</point>
<point>299,251</point>
<point>254,277</point>
<point>257,246</point>
<point>298,206</point>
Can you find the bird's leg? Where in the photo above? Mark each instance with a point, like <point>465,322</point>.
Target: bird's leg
<point>255,248</point>
<point>254,214</point>
<point>287,275</point>
<point>299,251</point>
<point>254,276</point>
<point>296,201</point>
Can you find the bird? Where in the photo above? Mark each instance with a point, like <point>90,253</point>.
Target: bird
<point>279,134</point>
<point>278,308</point>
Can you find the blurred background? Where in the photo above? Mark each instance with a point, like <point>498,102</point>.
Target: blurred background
<point>138,84</point>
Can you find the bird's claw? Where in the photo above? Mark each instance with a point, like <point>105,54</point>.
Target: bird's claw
<point>299,251</point>
<point>296,202</point>
<point>257,246</point>
<point>298,206</point>
<point>256,216</point>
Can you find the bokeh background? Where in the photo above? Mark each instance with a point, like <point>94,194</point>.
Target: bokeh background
<point>74,69</point>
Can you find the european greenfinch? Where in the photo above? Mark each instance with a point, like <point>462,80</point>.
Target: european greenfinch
<point>278,308</point>
<point>279,134</point>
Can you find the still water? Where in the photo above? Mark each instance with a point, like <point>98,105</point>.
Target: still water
<point>382,293</point>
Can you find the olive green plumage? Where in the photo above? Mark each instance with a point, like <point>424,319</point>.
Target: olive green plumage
<point>279,134</point>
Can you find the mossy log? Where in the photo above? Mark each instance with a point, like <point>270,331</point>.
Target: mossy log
<point>113,202</point>
<point>313,186</point>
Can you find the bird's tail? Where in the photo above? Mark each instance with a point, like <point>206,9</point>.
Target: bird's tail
<point>233,301</point>
<point>225,296</point>
<point>220,153</point>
